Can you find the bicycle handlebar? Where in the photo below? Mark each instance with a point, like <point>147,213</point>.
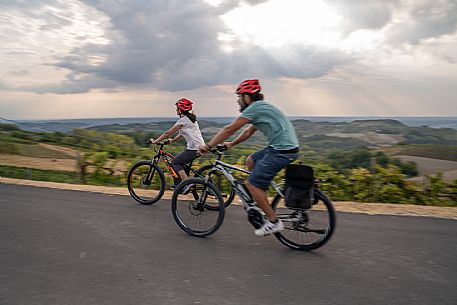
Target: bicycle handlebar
<point>219,148</point>
<point>165,142</point>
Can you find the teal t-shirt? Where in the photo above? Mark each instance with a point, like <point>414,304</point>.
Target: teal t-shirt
<point>273,124</point>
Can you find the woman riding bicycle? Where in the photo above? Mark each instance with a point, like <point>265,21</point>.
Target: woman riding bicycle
<point>188,129</point>
<point>266,163</point>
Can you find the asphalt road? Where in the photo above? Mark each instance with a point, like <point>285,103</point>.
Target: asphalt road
<point>68,247</point>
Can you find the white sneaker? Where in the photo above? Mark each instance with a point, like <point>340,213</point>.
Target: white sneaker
<point>269,228</point>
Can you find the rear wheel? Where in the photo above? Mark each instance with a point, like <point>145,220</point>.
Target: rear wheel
<point>146,190</point>
<point>306,229</point>
<point>218,179</point>
<point>189,206</point>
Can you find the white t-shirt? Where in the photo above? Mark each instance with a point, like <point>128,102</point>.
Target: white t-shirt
<point>191,133</point>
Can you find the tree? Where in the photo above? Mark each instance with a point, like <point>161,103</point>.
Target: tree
<point>381,158</point>
<point>389,184</point>
<point>361,180</point>
<point>436,187</point>
<point>409,168</point>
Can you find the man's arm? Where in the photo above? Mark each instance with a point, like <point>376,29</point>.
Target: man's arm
<point>228,131</point>
<point>246,134</point>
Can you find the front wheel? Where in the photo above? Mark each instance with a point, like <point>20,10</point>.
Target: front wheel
<point>218,179</point>
<point>189,206</point>
<point>146,182</point>
<point>306,229</point>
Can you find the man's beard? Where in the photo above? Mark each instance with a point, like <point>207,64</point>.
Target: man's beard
<point>243,106</point>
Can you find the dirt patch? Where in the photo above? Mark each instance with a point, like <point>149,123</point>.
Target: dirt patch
<point>39,163</point>
<point>429,166</point>
<point>119,167</point>
<point>370,137</point>
<point>350,207</point>
<point>65,150</point>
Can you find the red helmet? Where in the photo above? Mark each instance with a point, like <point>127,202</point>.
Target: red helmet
<point>184,104</point>
<point>249,86</point>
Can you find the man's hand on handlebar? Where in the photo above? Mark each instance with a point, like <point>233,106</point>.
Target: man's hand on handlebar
<point>203,149</point>
<point>227,145</point>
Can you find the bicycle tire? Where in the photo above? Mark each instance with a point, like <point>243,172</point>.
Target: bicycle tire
<point>145,194</point>
<point>181,203</point>
<point>322,204</point>
<point>201,172</point>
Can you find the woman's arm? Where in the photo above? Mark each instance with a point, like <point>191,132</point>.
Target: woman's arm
<point>167,133</point>
<point>177,138</point>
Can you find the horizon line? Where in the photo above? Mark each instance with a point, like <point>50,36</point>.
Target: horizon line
<point>229,117</point>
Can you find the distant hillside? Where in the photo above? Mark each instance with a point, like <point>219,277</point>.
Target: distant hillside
<point>324,137</point>
<point>442,152</point>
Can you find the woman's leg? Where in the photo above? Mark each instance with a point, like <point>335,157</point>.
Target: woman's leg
<point>182,159</point>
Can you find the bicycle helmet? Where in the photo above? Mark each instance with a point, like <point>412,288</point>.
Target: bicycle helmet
<point>249,86</point>
<point>184,104</point>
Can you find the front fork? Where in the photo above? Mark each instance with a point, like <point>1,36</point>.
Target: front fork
<point>150,174</point>
<point>202,199</point>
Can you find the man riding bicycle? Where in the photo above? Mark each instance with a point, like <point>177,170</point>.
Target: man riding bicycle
<point>282,146</point>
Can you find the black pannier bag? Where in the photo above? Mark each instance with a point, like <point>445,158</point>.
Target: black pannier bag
<point>299,186</point>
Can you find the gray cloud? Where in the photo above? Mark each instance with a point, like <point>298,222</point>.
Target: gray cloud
<point>19,72</point>
<point>173,45</point>
<point>160,45</point>
<point>421,19</point>
<point>426,20</point>
<point>368,14</point>
<point>27,5</point>
<point>54,22</point>
<point>40,9</point>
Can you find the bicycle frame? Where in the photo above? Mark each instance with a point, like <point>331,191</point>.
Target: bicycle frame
<point>246,198</point>
<point>166,157</point>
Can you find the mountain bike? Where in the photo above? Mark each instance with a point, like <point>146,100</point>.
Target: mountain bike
<point>146,180</point>
<point>202,214</point>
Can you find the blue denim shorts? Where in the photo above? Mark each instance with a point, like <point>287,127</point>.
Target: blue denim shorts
<point>267,163</point>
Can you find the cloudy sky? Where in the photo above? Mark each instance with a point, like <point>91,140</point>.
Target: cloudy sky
<point>135,58</point>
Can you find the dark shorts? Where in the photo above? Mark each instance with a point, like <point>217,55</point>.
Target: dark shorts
<point>183,158</point>
<point>267,163</point>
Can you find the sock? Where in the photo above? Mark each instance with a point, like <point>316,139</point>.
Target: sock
<point>276,221</point>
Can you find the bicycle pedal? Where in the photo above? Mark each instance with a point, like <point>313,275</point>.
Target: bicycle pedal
<point>255,218</point>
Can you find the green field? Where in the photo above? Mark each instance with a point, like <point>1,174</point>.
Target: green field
<point>356,170</point>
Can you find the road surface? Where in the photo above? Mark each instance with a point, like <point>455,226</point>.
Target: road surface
<point>69,247</point>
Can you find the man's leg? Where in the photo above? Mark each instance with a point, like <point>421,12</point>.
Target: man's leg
<point>264,165</point>
<point>260,197</point>
<point>250,163</point>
